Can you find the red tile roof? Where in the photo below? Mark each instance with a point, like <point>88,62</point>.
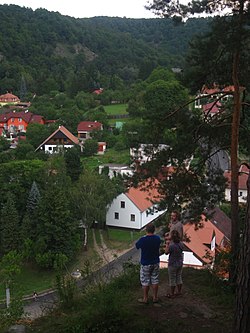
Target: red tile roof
<point>144,199</point>
<point>9,98</point>
<point>25,115</point>
<point>200,238</point>
<point>211,108</point>
<point>88,126</point>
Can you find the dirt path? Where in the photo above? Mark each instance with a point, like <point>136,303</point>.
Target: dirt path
<point>107,255</point>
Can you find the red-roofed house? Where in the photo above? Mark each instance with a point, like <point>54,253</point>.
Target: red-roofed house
<point>210,109</point>
<point>58,140</point>
<point>242,189</point>
<point>8,99</point>
<point>18,121</point>
<point>135,208</point>
<point>201,244</point>
<point>207,94</point>
<point>85,128</point>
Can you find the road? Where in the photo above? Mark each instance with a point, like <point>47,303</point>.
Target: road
<point>46,301</point>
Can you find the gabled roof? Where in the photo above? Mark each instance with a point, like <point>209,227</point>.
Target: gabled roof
<point>66,132</point>
<point>243,176</point>
<point>88,126</point>
<point>8,98</point>
<point>27,116</point>
<point>221,221</point>
<point>200,238</point>
<point>144,199</point>
<point>211,108</point>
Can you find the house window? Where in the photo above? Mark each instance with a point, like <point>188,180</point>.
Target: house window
<point>50,148</point>
<point>240,194</point>
<point>12,120</point>
<point>20,120</point>
<point>116,216</point>
<point>122,204</point>
<point>132,217</point>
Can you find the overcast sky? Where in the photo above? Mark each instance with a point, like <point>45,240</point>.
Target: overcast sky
<point>89,8</point>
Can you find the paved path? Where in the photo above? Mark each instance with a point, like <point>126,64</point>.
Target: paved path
<point>44,302</point>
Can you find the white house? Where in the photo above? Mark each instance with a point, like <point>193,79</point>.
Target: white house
<point>242,189</point>
<point>85,128</point>
<point>134,209</point>
<point>58,140</point>
<point>115,169</point>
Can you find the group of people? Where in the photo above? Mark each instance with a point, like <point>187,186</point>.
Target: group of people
<point>150,259</point>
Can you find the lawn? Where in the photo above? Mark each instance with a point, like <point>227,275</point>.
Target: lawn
<point>116,109</point>
<point>110,156</point>
<point>31,279</point>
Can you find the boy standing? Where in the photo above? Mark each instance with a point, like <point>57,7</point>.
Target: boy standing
<point>150,262</point>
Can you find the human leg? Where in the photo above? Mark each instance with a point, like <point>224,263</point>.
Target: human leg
<point>179,280</point>
<point>172,279</point>
<point>155,280</point>
<point>145,282</point>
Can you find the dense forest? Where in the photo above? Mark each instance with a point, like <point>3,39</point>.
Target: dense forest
<point>42,51</point>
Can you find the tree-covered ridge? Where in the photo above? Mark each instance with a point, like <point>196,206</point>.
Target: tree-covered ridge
<point>55,52</point>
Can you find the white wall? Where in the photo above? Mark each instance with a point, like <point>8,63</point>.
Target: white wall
<point>54,148</point>
<point>189,260</point>
<point>242,194</point>
<point>124,213</point>
<point>141,218</point>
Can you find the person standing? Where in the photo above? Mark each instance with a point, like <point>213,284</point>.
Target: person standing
<point>175,224</point>
<point>174,247</point>
<point>150,263</point>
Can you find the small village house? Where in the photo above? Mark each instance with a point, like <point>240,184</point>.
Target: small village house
<point>135,208</point>
<point>85,128</point>
<point>60,139</point>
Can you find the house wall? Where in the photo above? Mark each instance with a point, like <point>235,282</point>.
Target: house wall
<point>124,221</point>
<point>242,194</point>
<point>189,260</point>
<point>51,149</point>
<point>19,123</point>
<point>124,213</point>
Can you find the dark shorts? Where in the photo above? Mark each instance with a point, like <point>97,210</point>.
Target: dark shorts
<point>149,274</point>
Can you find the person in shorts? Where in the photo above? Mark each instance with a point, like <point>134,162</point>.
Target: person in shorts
<point>150,262</point>
<point>174,247</point>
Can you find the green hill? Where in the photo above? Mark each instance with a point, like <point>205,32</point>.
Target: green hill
<point>42,51</point>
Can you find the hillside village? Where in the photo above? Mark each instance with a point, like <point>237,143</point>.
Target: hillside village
<point>105,129</point>
<point>140,204</point>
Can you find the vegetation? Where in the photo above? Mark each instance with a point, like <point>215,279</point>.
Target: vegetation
<point>88,312</point>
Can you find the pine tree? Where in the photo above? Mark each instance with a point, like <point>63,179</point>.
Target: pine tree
<point>9,225</point>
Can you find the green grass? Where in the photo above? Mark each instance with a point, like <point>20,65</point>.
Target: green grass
<point>110,156</point>
<point>116,109</point>
<point>30,280</point>
<point>114,308</point>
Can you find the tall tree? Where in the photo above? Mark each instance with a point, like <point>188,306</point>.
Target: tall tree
<point>90,197</point>
<point>10,239</point>
<point>73,162</point>
<point>239,19</point>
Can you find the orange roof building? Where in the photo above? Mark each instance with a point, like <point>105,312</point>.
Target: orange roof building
<point>135,208</point>
<point>201,243</point>
<point>8,99</point>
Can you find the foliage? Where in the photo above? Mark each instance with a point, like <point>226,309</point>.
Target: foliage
<point>73,163</point>
<point>9,239</point>
<point>75,56</point>
<point>90,147</point>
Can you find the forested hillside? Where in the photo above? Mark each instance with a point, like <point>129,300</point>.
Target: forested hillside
<point>43,51</point>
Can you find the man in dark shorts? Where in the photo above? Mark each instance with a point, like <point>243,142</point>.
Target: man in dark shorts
<point>150,262</point>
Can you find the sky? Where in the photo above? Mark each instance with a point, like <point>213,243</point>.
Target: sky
<point>89,8</point>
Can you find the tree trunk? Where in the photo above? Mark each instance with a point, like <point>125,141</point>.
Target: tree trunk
<point>7,292</point>
<point>235,169</point>
<point>242,311</point>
